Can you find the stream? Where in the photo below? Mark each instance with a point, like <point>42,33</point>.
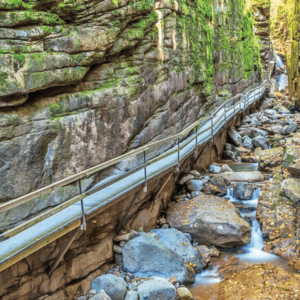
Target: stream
<point>207,283</point>
<point>281,78</point>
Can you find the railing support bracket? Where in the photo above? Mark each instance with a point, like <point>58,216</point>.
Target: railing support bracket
<point>124,219</point>
<point>62,252</point>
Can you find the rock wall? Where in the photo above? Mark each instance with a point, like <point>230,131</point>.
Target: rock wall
<point>285,28</point>
<point>261,15</point>
<point>91,253</point>
<point>82,82</point>
<point>294,51</point>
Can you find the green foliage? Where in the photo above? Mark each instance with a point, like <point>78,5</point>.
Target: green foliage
<point>237,43</point>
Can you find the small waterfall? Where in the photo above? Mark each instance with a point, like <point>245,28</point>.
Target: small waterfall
<point>282,78</point>
<point>254,250</point>
<point>279,62</point>
<point>207,281</point>
<point>281,81</point>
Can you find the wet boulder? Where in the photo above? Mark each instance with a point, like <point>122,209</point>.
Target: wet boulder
<point>247,142</point>
<point>254,132</point>
<point>276,129</point>
<point>292,127</point>
<point>210,220</point>
<point>294,168</point>
<point>261,142</point>
<point>195,185</point>
<point>215,168</point>
<point>265,120</point>
<point>270,158</point>
<point>229,147</point>
<point>253,176</point>
<point>243,191</point>
<point>195,173</point>
<point>249,158</point>
<point>184,294</point>
<point>254,121</point>
<point>156,288</point>
<point>291,189</point>
<point>205,254</point>
<point>147,255</point>
<point>218,185</point>
<point>229,155</point>
<point>115,287</point>
<point>180,243</point>
<point>186,178</point>
<point>234,137</point>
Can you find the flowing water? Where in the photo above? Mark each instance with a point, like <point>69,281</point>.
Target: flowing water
<point>279,62</point>
<point>282,78</point>
<point>207,283</point>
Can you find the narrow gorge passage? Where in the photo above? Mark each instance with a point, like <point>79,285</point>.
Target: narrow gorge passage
<point>149,149</point>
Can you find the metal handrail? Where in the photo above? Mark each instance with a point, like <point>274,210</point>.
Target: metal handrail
<point>77,177</point>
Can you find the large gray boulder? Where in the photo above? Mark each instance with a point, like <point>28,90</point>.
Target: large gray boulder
<point>243,191</point>
<point>178,242</point>
<point>234,137</point>
<point>215,168</point>
<point>270,158</point>
<point>253,132</point>
<point>156,289</point>
<point>253,176</point>
<point>210,220</point>
<point>195,185</point>
<point>147,256</point>
<point>292,127</point>
<point>247,142</point>
<point>115,287</point>
<point>261,142</point>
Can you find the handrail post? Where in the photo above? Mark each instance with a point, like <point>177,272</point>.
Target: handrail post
<point>178,157</point>
<point>145,173</point>
<point>83,222</point>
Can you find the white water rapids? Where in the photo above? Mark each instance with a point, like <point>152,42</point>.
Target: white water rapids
<point>282,78</point>
<point>253,253</point>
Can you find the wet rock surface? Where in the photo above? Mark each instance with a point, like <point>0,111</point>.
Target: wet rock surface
<point>115,287</point>
<point>210,220</point>
<point>243,191</point>
<point>147,256</point>
<point>156,288</point>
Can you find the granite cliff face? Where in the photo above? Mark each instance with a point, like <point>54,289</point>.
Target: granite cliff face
<point>285,28</point>
<point>85,81</point>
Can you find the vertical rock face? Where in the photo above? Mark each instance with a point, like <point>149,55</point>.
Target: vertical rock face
<point>293,51</point>
<point>83,82</point>
<point>285,33</point>
<point>261,13</point>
